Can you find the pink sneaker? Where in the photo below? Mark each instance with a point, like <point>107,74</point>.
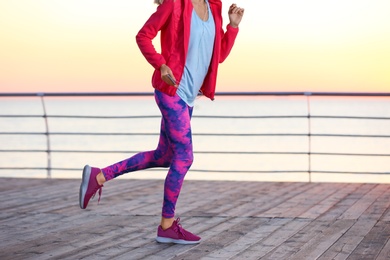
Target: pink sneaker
<point>176,234</point>
<point>89,186</point>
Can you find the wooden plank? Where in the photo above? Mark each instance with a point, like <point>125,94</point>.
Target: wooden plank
<point>378,208</point>
<point>322,241</point>
<point>385,252</point>
<point>373,242</point>
<point>192,203</point>
<point>346,202</point>
<point>37,195</point>
<point>271,198</point>
<point>137,235</point>
<point>46,241</point>
<point>291,203</point>
<point>343,247</point>
<point>226,237</point>
<point>386,215</point>
<point>291,246</point>
<point>31,196</point>
<point>15,185</point>
<point>361,205</point>
<point>220,199</point>
<point>338,194</point>
<point>274,238</point>
<point>247,240</point>
<point>301,203</point>
<point>27,227</point>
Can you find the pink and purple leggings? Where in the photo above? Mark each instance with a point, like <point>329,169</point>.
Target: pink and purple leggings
<point>174,150</point>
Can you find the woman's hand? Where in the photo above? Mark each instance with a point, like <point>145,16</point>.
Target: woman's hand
<point>167,75</point>
<point>235,15</point>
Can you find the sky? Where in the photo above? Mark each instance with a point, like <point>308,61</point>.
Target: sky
<point>283,45</point>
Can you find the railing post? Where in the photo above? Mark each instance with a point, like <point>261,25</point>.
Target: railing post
<point>47,133</point>
<point>308,95</point>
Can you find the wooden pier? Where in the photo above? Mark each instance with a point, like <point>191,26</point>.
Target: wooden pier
<point>41,219</point>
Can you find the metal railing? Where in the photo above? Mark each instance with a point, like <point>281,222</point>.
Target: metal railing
<point>309,134</point>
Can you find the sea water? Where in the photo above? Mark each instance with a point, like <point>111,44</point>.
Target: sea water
<point>270,132</point>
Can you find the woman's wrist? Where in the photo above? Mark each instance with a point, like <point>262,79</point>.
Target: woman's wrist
<point>234,25</point>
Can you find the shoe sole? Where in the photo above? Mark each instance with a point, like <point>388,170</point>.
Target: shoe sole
<point>84,184</point>
<point>167,240</point>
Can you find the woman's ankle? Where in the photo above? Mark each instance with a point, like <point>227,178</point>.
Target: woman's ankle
<point>166,222</point>
<point>100,178</point>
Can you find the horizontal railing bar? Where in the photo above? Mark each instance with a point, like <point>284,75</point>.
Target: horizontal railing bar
<point>198,134</point>
<point>350,117</point>
<point>197,152</point>
<point>63,133</point>
<point>344,172</point>
<point>244,171</point>
<point>348,135</point>
<point>351,154</point>
<point>81,117</point>
<point>147,116</point>
<point>75,94</point>
<point>22,116</point>
<point>207,170</point>
<point>199,116</point>
<point>153,169</point>
<point>24,168</point>
<point>133,152</point>
<point>255,93</point>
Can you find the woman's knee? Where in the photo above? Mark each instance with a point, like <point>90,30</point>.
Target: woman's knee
<point>185,158</point>
<point>164,158</point>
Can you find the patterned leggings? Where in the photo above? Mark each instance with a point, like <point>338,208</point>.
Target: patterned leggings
<point>174,150</point>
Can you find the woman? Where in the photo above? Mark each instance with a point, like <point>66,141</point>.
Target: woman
<point>193,43</point>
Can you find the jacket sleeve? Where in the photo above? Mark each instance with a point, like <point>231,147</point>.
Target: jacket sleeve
<point>150,30</point>
<point>227,43</point>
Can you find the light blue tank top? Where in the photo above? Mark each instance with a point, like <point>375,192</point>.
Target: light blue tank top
<point>200,50</point>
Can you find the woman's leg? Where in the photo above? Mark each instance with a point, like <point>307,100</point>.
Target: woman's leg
<point>174,150</point>
<point>176,115</point>
<point>161,157</point>
<point>94,178</point>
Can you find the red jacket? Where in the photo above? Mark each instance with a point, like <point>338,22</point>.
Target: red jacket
<point>173,19</point>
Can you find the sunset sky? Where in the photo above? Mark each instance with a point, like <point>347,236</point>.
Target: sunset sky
<point>301,45</point>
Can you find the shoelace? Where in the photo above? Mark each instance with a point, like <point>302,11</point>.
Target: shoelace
<point>178,228</point>
<point>99,188</point>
